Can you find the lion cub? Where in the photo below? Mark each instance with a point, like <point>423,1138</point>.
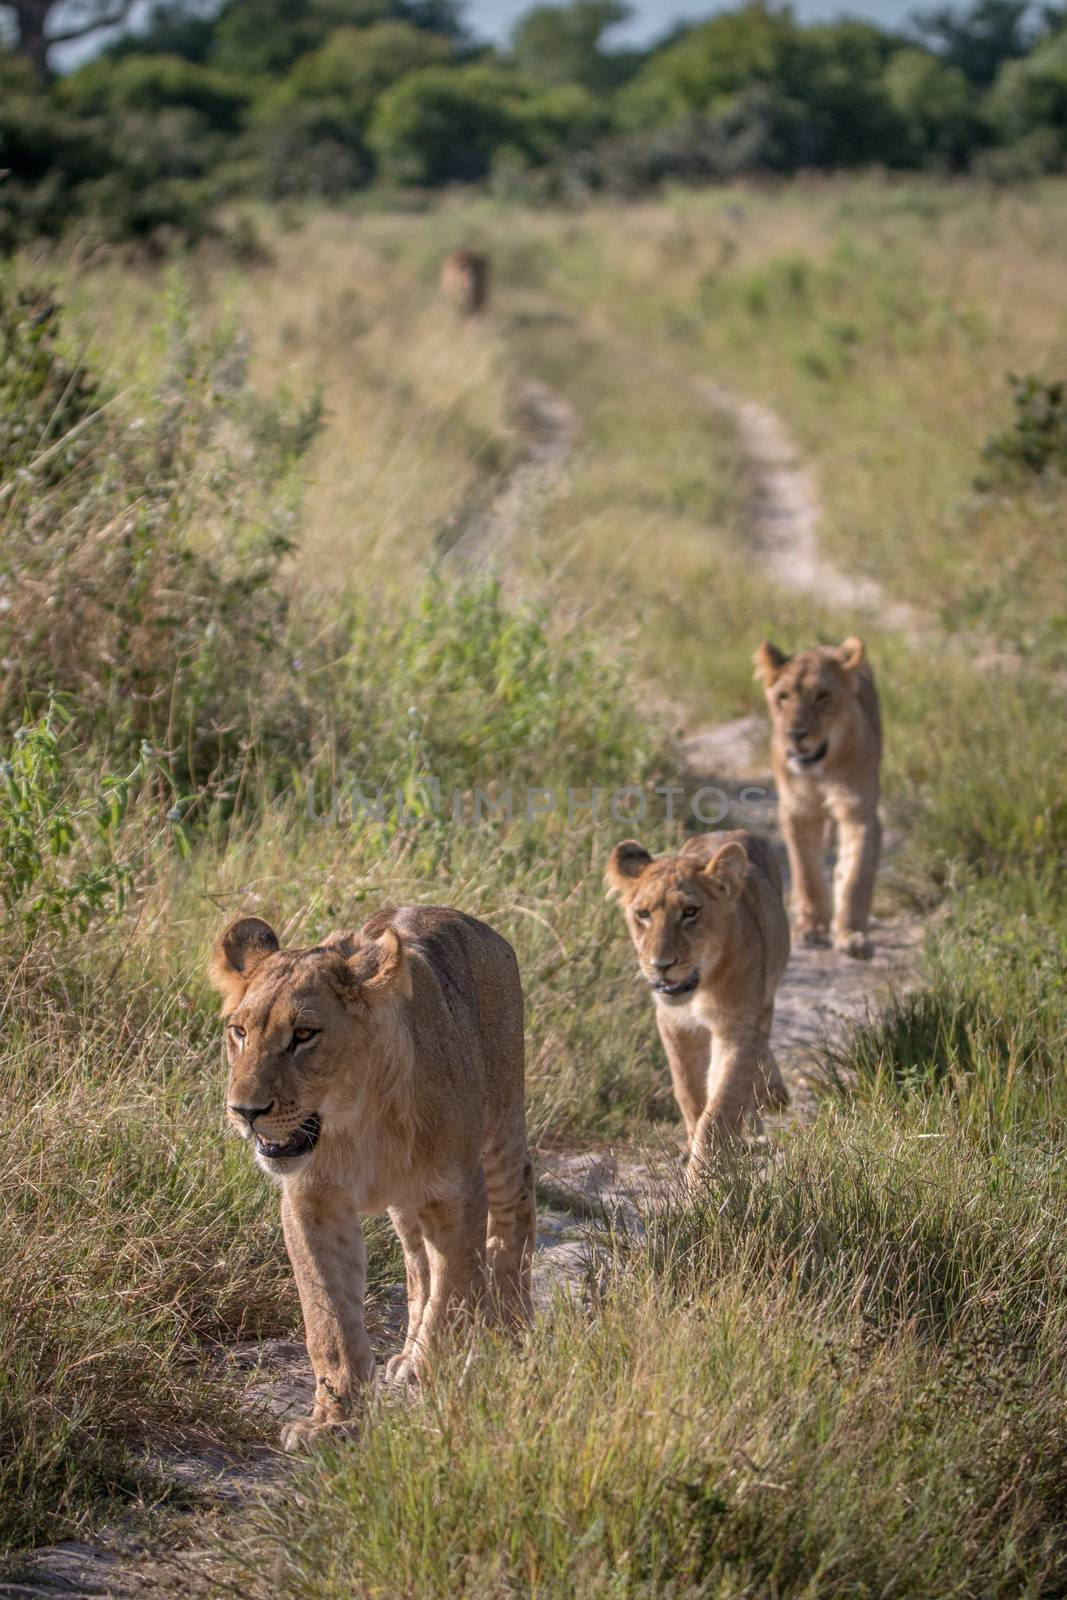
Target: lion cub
<point>826,751</point>
<point>383,1070</point>
<point>712,939</point>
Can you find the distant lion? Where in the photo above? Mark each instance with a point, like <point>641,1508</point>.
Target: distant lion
<point>826,752</point>
<point>712,940</point>
<point>465,281</point>
<point>383,1070</point>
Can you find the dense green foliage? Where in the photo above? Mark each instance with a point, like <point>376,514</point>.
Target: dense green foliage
<point>294,98</point>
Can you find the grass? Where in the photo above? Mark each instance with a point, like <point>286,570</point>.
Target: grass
<point>839,1372</point>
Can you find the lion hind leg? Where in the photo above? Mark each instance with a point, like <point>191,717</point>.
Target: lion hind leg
<point>770,1087</point>
<point>511,1229</point>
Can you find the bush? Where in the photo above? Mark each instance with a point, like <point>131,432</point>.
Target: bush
<point>310,131</point>
<point>445,125</point>
<point>135,583</point>
<point>1028,102</point>
<point>1036,442</point>
<point>151,84</point>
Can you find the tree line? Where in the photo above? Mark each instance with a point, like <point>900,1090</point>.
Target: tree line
<point>204,101</point>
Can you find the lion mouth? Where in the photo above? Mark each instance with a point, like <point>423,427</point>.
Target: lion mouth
<point>300,1143</point>
<point>673,991</point>
<point>799,759</point>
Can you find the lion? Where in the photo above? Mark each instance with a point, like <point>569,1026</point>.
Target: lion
<point>383,1070</point>
<point>465,281</point>
<point>712,939</point>
<point>826,751</point>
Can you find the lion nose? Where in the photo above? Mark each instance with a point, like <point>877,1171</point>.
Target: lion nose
<point>250,1113</point>
<point>798,735</point>
<point>664,966</point>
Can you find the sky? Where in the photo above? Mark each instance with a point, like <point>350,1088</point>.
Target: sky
<point>494,19</point>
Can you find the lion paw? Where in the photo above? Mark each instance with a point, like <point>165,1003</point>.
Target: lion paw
<point>856,945</point>
<point>812,935</point>
<point>400,1376</point>
<point>307,1434</point>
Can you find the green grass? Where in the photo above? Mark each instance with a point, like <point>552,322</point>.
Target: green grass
<point>839,1372</point>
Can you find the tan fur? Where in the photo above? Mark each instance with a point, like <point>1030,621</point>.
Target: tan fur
<point>404,1043</point>
<point>465,281</point>
<point>714,908</point>
<point>827,697</point>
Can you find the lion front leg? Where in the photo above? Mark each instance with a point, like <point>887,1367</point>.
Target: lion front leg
<point>735,1071</point>
<point>809,902</point>
<point>859,845</point>
<point>329,1258</point>
<point>688,1048</point>
<point>417,1272</point>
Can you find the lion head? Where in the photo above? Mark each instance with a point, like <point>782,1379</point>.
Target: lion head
<point>303,1030</point>
<point>810,697</point>
<point>677,909</point>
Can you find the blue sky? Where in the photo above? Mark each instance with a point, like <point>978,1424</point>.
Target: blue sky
<point>494,19</point>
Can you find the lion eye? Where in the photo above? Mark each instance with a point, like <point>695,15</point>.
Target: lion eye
<point>782,698</point>
<point>302,1035</point>
<point>690,913</point>
<point>642,916</point>
<point>236,1032</point>
<point>821,698</point>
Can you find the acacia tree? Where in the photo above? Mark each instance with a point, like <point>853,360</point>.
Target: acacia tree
<point>37,25</point>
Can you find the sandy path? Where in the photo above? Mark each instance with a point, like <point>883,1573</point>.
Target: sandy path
<point>485,532</point>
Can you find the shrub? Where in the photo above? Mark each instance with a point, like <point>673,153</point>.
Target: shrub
<point>150,84</point>
<point>138,575</point>
<point>444,125</point>
<point>1036,442</point>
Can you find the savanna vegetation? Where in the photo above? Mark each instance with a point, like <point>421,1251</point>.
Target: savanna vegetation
<point>226,611</point>
<point>199,108</point>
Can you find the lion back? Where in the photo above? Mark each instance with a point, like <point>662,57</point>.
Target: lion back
<point>468,997</point>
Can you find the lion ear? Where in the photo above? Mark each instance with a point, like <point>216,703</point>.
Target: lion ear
<point>850,657</point>
<point>769,662</point>
<point>238,951</point>
<point>625,865</point>
<point>381,967</point>
<point>851,654</point>
<point>725,872</point>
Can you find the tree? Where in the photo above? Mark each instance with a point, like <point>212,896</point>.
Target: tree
<point>310,129</point>
<point>446,124</point>
<point>939,108</point>
<point>267,36</point>
<point>37,25</point>
<point>1029,104</point>
<point>979,40</point>
<point>558,45</point>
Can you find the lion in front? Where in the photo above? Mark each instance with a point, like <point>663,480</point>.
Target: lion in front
<point>712,940</point>
<point>383,1070</point>
<point>826,752</point>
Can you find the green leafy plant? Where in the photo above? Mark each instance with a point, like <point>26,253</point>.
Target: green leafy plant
<point>61,861</point>
<point>1036,442</point>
